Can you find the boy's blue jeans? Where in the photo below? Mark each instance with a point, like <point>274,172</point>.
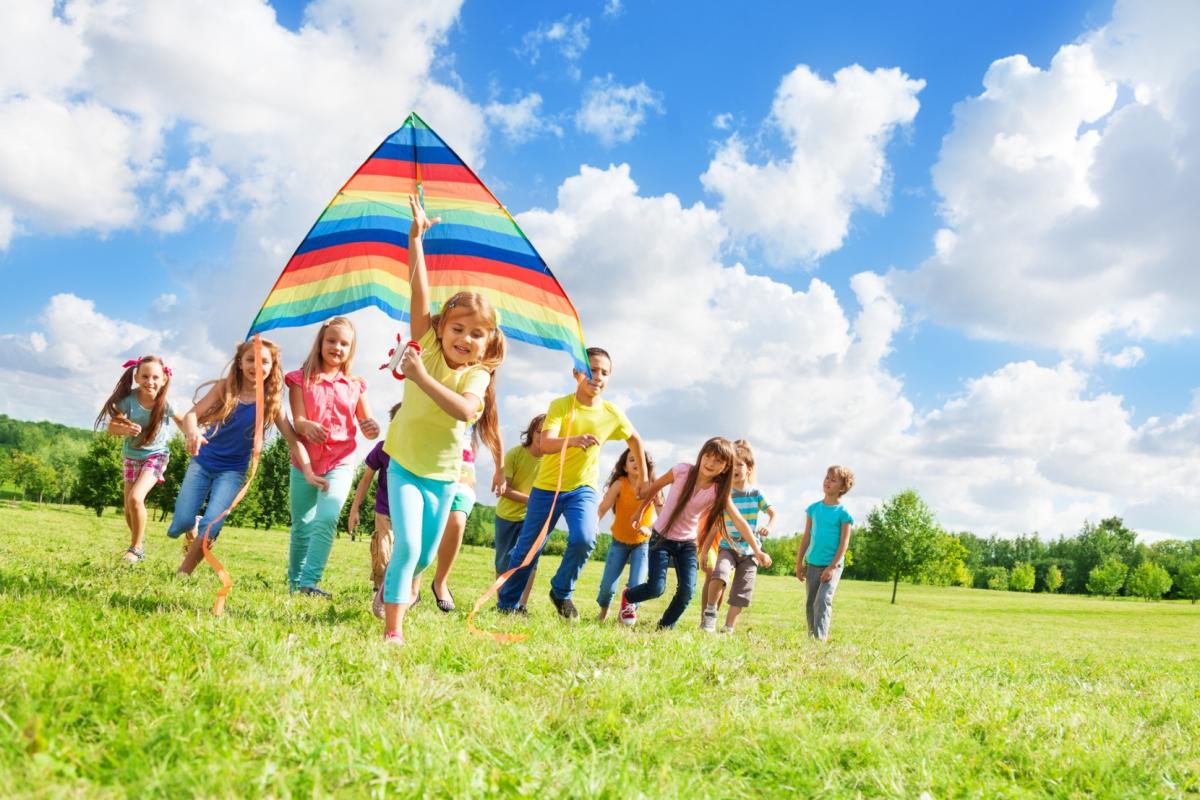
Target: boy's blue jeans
<point>618,554</point>
<point>662,552</point>
<point>200,483</point>
<point>579,507</point>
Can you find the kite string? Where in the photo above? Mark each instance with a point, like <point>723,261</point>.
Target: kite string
<point>534,550</point>
<point>227,582</point>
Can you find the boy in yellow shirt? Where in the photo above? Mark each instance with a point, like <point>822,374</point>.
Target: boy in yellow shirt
<point>595,421</point>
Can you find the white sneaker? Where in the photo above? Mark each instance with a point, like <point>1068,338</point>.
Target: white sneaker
<point>708,620</point>
<point>726,629</point>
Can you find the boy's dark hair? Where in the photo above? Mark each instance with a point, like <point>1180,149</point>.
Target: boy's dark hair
<point>598,351</point>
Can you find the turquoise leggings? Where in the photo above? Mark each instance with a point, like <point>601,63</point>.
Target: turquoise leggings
<point>420,508</point>
<point>314,523</point>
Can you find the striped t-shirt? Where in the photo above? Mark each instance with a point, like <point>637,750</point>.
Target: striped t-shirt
<point>749,503</point>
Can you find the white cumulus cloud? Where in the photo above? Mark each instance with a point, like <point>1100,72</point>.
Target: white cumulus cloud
<point>613,112</point>
<point>836,133</point>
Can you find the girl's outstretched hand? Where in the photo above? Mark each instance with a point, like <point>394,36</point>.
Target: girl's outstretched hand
<point>195,440</point>
<point>370,428</point>
<point>412,366</point>
<point>499,484</point>
<point>421,222</point>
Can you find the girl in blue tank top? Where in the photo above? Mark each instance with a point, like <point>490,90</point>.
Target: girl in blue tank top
<point>220,437</point>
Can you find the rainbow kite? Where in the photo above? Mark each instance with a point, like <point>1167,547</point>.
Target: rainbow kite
<point>356,254</point>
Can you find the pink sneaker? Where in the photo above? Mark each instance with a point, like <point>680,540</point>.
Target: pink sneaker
<point>393,638</point>
<point>628,615</point>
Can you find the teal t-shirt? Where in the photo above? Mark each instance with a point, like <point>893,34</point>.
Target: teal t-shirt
<point>138,413</point>
<point>827,524</point>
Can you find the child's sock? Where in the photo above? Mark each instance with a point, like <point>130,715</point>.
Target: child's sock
<point>710,607</point>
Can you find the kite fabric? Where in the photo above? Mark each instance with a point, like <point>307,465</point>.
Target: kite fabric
<point>356,255</point>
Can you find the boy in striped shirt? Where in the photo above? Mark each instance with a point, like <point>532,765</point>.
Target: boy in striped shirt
<point>737,558</point>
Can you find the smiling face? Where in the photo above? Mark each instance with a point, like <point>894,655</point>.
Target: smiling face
<point>246,365</point>
<point>601,369</point>
<point>464,338</point>
<point>711,466</point>
<point>336,345</point>
<point>150,378</point>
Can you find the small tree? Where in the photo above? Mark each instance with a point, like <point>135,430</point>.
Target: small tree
<point>903,537</point>
<point>1189,580</point>
<point>1054,578</point>
<point>1150,581</point>
<point>1022,577</point>
<point>996,578</point>
<point>101,482</point>
<point>1108,578</point>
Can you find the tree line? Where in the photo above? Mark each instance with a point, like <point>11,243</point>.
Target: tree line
<point>900,540</point>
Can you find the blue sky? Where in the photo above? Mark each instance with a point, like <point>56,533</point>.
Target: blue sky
<point>1031,175</point>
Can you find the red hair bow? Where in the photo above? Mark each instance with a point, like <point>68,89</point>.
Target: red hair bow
<point>133,362</point>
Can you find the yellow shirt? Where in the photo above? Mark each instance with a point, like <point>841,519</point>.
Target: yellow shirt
<point>423,438</point>
<point>603,420</point>
<point>520,468</point>
<point>623,510</point>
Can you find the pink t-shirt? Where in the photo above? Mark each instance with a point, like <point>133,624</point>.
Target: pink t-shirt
<point>331,403</point>
<point>684,529</point>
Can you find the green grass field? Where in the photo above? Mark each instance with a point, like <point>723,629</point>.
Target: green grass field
<point>118,682</point>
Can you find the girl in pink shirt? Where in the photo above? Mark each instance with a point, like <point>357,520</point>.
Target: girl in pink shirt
<point>697,490</point>
<point>326,403</point>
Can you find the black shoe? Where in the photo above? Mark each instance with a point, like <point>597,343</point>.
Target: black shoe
<point>313,591</point>
<point>566,609</point>
<point>447,605</point>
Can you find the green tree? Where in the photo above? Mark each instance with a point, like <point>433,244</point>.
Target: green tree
<point>1107,578</point>
<point>1092,547</point>
<point>903,537</point>
<point>947,567</point>
<point>101,479</point>
<point>1149,580</point>
<point>1189,579</point>
<point>995,578</point>
<point>1022,577</point>
<point>1054,578</point>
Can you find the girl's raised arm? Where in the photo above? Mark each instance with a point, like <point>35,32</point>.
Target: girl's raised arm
<point>418,280</point>
<point>360,493</point>
<point>663,482</point>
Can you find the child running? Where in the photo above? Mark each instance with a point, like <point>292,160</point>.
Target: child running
<point>450,384</point>
<point>594,422</point>
<point>520,469</point>
<point>219,430</point>
<point>629,536</point>
<point>697,489</point>
<point>326,402</point>
<point>823,550</point>
<point>376,464</point>
<point>138,410</point>
<point>738,558</point>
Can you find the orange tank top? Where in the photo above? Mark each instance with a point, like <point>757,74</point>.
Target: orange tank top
<point>623,510</point>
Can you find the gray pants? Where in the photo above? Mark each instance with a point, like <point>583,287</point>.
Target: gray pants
<point>819,602</point>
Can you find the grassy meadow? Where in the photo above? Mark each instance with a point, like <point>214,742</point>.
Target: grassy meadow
<point>117,682</point>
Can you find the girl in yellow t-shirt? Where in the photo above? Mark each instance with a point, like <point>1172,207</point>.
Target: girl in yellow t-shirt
<point>450,384</point>
<point>628,543</point>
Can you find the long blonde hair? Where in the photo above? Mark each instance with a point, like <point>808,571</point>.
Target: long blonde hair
<point>233,383</point>
<point>124,388</point>
<point>315,362</point>
<point>487,426</point>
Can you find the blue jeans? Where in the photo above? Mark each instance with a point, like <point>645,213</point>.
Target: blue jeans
<point>314,523</point>
<point>199,484</point>
<point>614,563</point>
<point>507,531</point>
<point>662,552</point>
<point>579,507</point>
<point>420,507</point>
